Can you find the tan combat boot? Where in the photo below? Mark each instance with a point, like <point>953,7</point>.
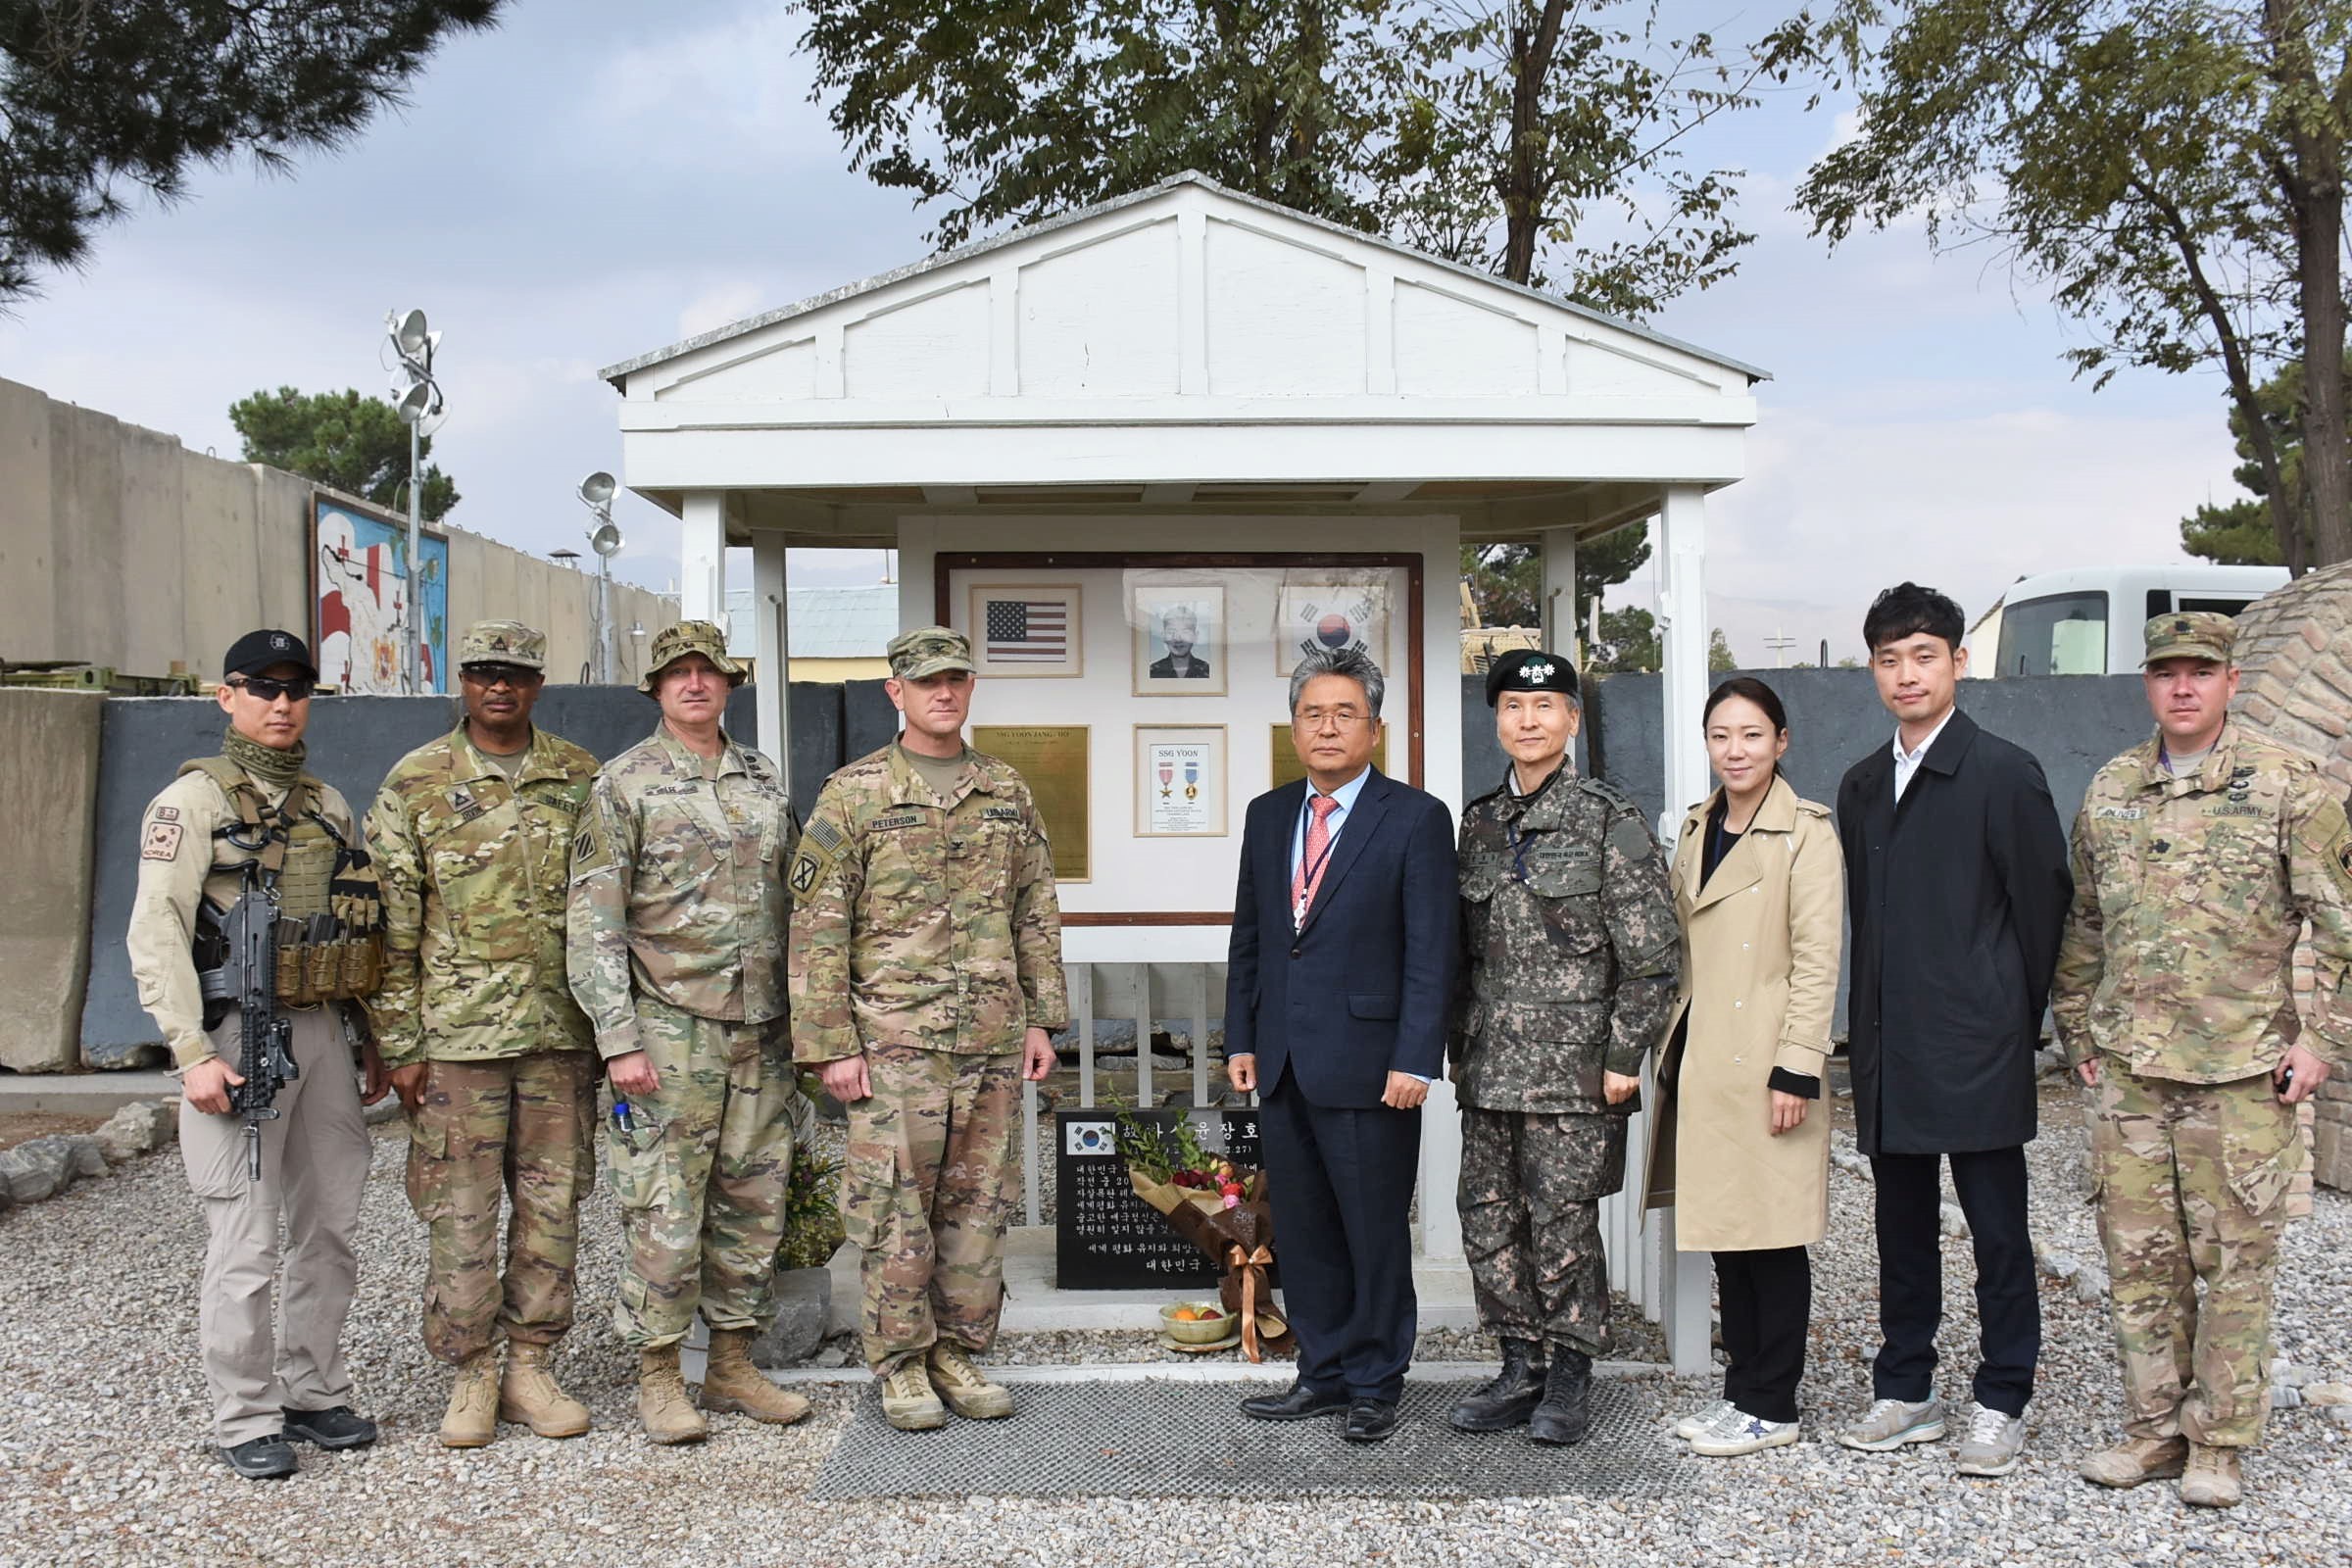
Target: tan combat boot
<point>731,1382</point>
<point>2135,1460</point>
<point>2212,1480</point>
<point>959,1382</point>
<point>473,1418</point>
<point>908,1401</point>
<point>661,1403</point>
<point>531,1395</point>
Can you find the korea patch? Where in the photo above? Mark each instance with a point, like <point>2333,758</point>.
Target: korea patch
<point>161,841</point>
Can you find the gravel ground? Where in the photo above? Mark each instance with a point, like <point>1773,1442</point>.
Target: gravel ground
<point>103,1457</point>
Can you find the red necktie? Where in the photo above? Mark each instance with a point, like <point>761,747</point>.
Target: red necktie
<point>1312,861</point>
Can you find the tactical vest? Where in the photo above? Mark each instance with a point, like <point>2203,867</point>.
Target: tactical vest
<point>329,903</point>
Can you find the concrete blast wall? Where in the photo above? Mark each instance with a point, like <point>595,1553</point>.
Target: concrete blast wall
<point>49,775</point>
<point>120,547</point>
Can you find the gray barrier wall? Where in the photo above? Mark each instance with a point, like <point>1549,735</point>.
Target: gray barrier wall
<point>2073,723</point>
<point>49,775</point>
<point>353,741</point>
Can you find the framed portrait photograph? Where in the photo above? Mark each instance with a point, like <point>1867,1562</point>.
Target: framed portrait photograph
<point>1179,633</point>
<point>1179,781</point>
<point>1026,629</point>
<point>1328,616</point>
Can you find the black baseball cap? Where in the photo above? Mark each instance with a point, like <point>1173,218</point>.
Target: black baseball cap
<point>1530,670</point>
<point>258,650</point>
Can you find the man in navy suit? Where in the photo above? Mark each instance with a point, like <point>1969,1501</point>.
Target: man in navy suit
<point>1340,975</point>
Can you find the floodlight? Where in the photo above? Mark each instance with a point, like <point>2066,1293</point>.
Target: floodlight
<point>597,489</point>
<point>606,541</point>
<point>410,334</point>
<point>416,402</point>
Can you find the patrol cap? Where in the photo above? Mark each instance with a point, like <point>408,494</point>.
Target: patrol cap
<point>503,642</point>
<point>2190,634</point>
<point>1530,670</point>
<point>927,650</point>
<point>258,650</point>
<point>674,642</point>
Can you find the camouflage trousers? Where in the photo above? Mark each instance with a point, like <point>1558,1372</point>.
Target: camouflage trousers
<point>1530,1199</point>
<point>520,1126</point>
<point>2193,1182</point>
<point>700,1178</point>
<point>925,1195</point>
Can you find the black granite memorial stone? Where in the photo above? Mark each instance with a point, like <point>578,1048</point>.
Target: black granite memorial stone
<point>1107,1239</point>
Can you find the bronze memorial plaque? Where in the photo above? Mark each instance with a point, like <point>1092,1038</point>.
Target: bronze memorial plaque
<point>1053,759</point>
<point>1287,767</point>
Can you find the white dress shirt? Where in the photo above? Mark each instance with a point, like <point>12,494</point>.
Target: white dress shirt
<point>1907,762</point>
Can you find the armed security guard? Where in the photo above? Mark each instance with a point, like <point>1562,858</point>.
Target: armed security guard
<point>256,923</point>
<point>2198,857</point>
<point>676,948</point>
<point>1571,959</point>
<point>488,1052</point>
<point>927,954</point>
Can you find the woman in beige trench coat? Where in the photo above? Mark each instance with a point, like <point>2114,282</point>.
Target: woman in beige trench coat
<point>1740,1142</point>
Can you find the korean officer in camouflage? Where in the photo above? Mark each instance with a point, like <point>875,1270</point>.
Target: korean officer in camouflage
<point>489,1055</point>
<point>676,948</point>
<point>926,958</point>
<point>1570,961</point>
<point>2198,857</point>
<point>256,811</point>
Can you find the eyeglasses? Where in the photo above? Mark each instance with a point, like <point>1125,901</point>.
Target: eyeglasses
<point>1315,719</point>
<point>263,688</point>
<point>515,675</point>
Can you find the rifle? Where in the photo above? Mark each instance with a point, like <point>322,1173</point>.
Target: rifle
<point>266,1055</point>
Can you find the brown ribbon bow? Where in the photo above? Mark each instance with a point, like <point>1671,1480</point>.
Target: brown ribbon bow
<point>1251,1266</point>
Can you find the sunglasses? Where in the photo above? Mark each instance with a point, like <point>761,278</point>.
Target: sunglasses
<point>270,691</point>
<point>515,675</point>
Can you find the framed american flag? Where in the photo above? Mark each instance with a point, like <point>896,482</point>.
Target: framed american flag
<point>1027,629</point>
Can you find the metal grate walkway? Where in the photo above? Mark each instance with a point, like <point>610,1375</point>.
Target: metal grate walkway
<point>1188,1439</point>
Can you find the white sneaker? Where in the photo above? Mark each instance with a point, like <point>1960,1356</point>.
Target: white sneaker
<point>1993,1444</point>
<point>1698,1420</point>
<point>1742,1433</point>
<point>1889,1423</point>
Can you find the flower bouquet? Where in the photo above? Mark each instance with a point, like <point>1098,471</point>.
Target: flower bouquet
<point>1221,1208</point>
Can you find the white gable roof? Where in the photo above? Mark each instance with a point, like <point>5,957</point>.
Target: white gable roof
<point>1093,304</point>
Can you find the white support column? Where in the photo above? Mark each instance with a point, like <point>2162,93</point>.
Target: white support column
<point>771,642</point>
<point>1441,1174</point>
<point>1684,638</point>
<point>702,557</point>
<point>1559,591</point>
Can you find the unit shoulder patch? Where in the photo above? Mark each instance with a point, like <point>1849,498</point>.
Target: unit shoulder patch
<point>160,840</point>
<point>590,849</point>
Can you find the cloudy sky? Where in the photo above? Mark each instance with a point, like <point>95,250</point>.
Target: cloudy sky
<point>600,178</point>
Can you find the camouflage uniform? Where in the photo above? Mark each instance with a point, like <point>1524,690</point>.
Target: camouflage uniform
<point>2176,972</point>
<point>928,937</point>
<point>1571,960</point>
<point>678,917</point>
<point>474,865</point>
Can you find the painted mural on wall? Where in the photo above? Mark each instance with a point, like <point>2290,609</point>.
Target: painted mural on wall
<point>358,574</point>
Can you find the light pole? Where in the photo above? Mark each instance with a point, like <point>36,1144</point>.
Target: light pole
<point>421,400</point>
<point>596,493</point>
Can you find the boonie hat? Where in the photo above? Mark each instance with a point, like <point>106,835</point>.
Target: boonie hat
<point>503,642</point>
<point>2190,634</point>
<point>1530,670</point>
<point>674,642</point>
<point>258,650</point>
<point>927,650</point>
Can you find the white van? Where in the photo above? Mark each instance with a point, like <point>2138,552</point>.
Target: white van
<point>2087,621</point>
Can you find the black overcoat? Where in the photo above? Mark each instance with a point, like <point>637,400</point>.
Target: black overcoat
<point>1958,897</point>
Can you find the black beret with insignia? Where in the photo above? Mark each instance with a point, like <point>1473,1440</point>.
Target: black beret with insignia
<point>1529,669</point>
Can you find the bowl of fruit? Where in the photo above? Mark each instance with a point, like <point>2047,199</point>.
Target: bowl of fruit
<point>1195,1322</point>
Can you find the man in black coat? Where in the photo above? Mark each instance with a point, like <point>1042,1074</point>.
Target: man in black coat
<point>1957,880</point>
